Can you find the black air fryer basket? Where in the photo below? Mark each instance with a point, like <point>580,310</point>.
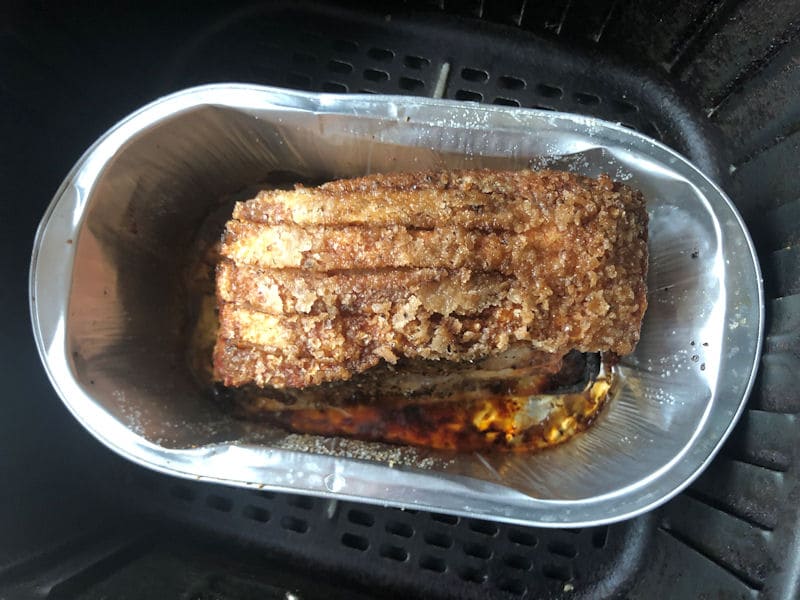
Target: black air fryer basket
<point>717,80</point>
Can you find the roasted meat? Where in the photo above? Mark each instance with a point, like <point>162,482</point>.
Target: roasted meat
<point>318,284</point>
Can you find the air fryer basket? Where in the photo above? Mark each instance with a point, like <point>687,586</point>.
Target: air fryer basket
<point>716,80</point>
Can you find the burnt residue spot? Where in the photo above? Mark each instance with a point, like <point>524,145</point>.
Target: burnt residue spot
<point>703,367</point>
<point>69,241</point>
<point>498,387</point>
<point>695,253</point>
<point>691,343</point>
<point>695,358</point>
<point>576,371</point>
<point>705,343</point>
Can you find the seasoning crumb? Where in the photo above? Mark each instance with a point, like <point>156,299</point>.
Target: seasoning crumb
<point>69,241</point>
<point>705,343</point>
<point>695,254</point>
<point>692,343</point>
<point>695,358</point>
<point>568,587</point>
<point>375,451</point>
<point>703,367</point>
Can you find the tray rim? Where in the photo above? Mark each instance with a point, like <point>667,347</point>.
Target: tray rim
<point>225,95</point>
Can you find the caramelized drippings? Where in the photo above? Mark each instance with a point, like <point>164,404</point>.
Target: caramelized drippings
<point>498,421</point>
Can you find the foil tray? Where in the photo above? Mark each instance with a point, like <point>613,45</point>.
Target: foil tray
<point>109,306</point>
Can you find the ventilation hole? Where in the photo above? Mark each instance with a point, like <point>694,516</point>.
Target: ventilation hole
<point>375,75</point>
<point>348,46</point>
<point>623,107</point>
<point>401,529</point>
<point>442,518</point>
<point>255,513</point>
<point>403,511</point>
<point>393,552</point>
<point>484,527</point>
<point>522,537</point>
<point>264,494</point>
<point>505,101</point>
<point>303,502</point>
<point>359,517</point>
<point>542,107</point>
<point>356,542</point>
<point>586,98</point>
<point>219,503</point>
<point>339,66</point>
<point>409,83</point>
<point>600,537</point>
<point>381,54</point>
<point>333,87</point>
<point>517,561</point>
<point>478,551</point>
<point>475,75</point>
<point>512,586</point>
<point>416,62</point>
<point>440,540</point>
<point>299,81</point>
<point>469,95</point>
<point>472,574</point>
<point>575,531</point>
<point>549,91</point>
<point>629,126</point>
<point>432,563</point>
<point>558,572</point>
<point>302,58</point>
<point>510,83</point>
<point>294,524</point>
<point>181,492</point>
<point>366,91</point>
<point>561,548</point>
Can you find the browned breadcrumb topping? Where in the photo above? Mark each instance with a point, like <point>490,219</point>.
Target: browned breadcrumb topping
<point>317,284</point>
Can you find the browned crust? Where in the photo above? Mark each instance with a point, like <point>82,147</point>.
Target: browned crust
<point>443,291</point>
<point>321,283</point>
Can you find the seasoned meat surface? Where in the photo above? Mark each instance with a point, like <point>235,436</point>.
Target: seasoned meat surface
<point>317,284</point>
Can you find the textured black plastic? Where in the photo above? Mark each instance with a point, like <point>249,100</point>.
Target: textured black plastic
<point>717,80</point>
<point>336,50</point>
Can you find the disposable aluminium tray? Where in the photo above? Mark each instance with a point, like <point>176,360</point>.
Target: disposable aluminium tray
<point>110,315</point>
